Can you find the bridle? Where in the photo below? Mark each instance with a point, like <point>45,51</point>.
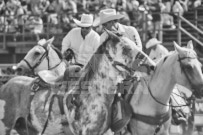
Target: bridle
<point>116,63</point>
<point>44,56</point>
<point>187,76</point>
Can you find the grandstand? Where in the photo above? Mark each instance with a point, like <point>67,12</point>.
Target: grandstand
<point>14,44</point>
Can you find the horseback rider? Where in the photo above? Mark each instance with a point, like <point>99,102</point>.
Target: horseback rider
<point>157,50</point>
<point>82,40</point>
<point>108,18</point>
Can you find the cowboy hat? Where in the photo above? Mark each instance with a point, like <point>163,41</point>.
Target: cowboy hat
<point>107,15</point>
<point>86,20</point>
<point>152,42</point>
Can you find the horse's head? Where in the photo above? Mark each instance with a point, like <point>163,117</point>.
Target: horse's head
<point>188,69</point>
<point>126,57</point>
<point>41,57</point>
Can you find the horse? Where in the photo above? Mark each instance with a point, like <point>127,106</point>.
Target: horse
<point>88,104</point>
<point>43,56</point>
<point>38,110</point>
<point>150,97</point>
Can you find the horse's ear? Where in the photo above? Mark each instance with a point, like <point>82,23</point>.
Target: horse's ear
<point>49,43</point>
<point>190,45</point>
<point>176,46</point>
<point>113,36</point>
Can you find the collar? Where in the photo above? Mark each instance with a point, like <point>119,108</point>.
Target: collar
<point>86,35</point>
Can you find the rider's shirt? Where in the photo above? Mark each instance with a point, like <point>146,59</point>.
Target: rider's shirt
<point>127,31</point>
<point>83,48</point>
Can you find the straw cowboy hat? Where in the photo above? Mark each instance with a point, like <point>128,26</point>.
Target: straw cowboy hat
<point>152,42</point>
<point>86,21</point>
<point>107,15</point>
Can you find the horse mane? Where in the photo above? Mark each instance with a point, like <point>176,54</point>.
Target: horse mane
<point>58,52</point>
<point>93,65</point>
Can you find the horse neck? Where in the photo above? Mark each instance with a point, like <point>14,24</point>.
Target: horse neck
<point>160,84</point>
<point>103,81</point>
<point>60,69</point>
<point>163,82</point>
<point>55,63</point>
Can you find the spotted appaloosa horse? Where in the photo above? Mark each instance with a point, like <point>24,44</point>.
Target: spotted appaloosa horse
<point>150,101</point>
<point>43,56</point>
<point>88,105</point>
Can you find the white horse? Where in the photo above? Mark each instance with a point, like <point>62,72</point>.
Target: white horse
<point>150,99</point>
<point>43,56</point>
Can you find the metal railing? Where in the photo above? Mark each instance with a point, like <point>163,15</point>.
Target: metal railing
<point>182,30</point>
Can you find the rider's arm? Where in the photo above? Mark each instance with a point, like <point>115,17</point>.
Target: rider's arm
<point>66,43</point>
<point>137,38</point>
<point>103,37</point>
<point>96,42</point>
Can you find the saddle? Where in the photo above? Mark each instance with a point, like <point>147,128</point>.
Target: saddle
<point>121,114</point>
<point>72,73</point>
<point>49,77</point>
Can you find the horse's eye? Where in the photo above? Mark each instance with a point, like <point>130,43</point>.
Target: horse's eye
<point>37,53</point>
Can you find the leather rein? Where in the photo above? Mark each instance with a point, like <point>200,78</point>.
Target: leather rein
<point>44,56</point>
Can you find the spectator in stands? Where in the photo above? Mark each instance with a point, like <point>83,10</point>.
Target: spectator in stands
<point>2,7</point>
<point>157,50</point>
<point>155,8</point>
<point>20,17</point>
<point>197,3</point>
<point>35,25</point>
<point>177,8</point>
<point>167,18</point>
<point>43,5</point>
<point>83,40</point>
<point>2,17</point>
<point>70,6</point>
<point>109,20</point>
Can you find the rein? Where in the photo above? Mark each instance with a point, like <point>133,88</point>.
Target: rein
<point>116,63</point>
<point>181,65</point>
<point>45,55</point>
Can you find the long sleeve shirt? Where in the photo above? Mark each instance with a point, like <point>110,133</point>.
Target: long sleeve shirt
<point>83,48</point>
<point>127,31</point>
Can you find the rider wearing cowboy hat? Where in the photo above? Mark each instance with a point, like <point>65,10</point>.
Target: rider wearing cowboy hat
<point>157,50</point>
<point>108,18</point>
<point>83,40</point>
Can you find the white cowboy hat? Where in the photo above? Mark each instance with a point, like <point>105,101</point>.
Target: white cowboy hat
<point>152,42</point>
<point>86,20</point>
<point>106,15</point>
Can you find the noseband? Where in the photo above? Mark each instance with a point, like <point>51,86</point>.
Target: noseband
<point>45,55</point>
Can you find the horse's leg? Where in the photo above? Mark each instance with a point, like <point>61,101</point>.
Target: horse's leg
<point>7,116</point>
